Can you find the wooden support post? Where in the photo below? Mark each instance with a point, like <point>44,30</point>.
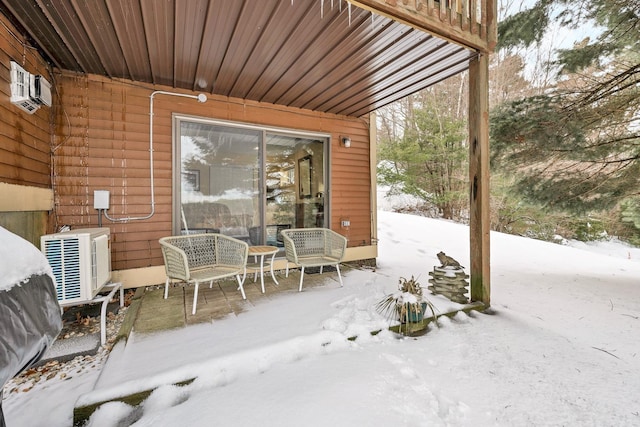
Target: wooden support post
<point>479,219</point>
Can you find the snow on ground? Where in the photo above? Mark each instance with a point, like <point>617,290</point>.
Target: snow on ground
<point>560,348</point>
<point>612,247</point>
<point>19,260</point>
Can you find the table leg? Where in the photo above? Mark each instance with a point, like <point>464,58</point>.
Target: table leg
<point>262,272</point>
<point>255,272</point>
<point>273,257</point>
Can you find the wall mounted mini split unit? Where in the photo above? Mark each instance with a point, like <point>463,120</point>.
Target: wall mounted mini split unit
<point>20,81</point>
<point>40,90</point>
<point>81,262</point>
<point>29,91</point>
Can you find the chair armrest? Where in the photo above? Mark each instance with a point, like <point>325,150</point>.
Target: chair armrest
<point>175,260</point>
<point>231,252</point>
<point>336,244</point>
<point>289,248</point>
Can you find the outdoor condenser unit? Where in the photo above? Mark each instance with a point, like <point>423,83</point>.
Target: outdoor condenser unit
<point>81,262</point>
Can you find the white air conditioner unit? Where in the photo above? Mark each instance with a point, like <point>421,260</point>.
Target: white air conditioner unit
<point>40,90</point>
<point>81,262</point>
<point>20,83</point>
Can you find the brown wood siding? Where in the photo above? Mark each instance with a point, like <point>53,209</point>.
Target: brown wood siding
<point>24,138</point>
<point>105,146</point>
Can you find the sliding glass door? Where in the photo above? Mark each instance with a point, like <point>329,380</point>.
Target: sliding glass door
<point>294,184</point>
<point>247,182</point>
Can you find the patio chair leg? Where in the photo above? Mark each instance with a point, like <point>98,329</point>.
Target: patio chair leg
<point>166,288</point>
<point>287,272</point>
<point>211,284</point>
<point>240,286</point>
<point>321,268</point>
<point>195,299</point>
<point>339,275</point>
<point>301,277</point>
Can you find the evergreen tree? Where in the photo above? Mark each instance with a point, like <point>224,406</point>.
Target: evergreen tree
<point>576,146</point>
<point>429,159</point>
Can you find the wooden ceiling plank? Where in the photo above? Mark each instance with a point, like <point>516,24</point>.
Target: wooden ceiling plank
<point>96,23</point>
<point>158,19</point>
<point>274,31</point>
<point>216,37</point>
<point>428,77</point>
<point>276,43</point>
<point>72,34</point>
<point>38,28</point>
<point>319,79</point>
<point>129,31</point>
<point>415,71</point>
<point>297,43</point>
<point>189,23</point>
<point>379,68</point>
<point>336,27</point>
<point>247,32</point>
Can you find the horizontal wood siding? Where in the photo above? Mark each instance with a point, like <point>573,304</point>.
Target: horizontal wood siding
<point>25,138</point>
<point>103,133</point>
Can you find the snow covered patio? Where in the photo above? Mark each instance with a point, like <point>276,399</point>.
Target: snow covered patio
<point>560,349</point>
<point>150,316</point>
<point>152,313</point>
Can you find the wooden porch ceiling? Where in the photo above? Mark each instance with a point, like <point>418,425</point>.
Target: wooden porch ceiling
<point>319,55</point>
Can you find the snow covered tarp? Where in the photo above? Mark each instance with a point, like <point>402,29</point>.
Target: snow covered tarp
<point>29,311</point>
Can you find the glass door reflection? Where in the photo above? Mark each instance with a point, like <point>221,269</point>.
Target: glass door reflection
<point>220,179</point>
<point>294,184</point>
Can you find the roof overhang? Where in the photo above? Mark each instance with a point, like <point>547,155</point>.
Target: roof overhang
<point>320,55</point>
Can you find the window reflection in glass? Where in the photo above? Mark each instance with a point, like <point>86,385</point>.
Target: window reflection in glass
<point>224,187</point>
<point>226,162</point>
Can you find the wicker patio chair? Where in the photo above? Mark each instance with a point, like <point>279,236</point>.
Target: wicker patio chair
<point>314,247</point>
<point>203,257</point>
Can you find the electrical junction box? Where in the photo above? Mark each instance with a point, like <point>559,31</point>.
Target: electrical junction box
<point>101,199</point>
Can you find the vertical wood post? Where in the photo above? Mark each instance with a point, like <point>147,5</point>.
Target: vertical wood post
<point>373,163</point>
<point>479,219</point>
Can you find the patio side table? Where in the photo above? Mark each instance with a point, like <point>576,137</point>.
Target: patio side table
<point>259,252</point>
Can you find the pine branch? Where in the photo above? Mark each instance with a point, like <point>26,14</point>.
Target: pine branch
<point>605,351</point>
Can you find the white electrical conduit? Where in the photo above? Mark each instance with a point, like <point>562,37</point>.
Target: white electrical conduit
<point>201,98</point>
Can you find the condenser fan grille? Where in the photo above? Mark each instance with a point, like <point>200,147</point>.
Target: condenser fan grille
<point>64,257</point>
